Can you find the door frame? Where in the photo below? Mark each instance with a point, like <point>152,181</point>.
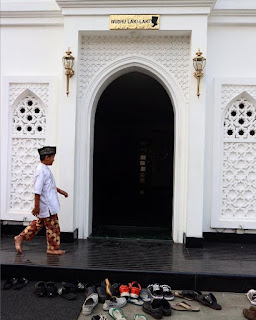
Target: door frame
<point>85,140</point>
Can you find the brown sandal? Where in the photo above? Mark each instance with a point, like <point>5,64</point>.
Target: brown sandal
<point>184,306</point>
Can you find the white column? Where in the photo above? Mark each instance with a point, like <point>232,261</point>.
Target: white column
<point>66,139</point>
<point>196,136</point>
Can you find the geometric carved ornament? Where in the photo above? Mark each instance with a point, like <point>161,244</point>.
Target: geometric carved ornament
<point>28,134</point>
<point>239,161</point>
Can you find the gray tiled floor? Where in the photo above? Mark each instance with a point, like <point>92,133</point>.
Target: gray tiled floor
<point>136,255</point>
<point>232,309</point>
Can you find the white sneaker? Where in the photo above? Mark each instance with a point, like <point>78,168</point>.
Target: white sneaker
<point>114,302</point>
<point>89,303</point>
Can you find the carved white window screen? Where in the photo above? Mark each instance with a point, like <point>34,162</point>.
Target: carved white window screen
<point>28,134</point>
<point>234,186</point>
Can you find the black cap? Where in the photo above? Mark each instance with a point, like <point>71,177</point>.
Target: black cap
<point>47,151</point>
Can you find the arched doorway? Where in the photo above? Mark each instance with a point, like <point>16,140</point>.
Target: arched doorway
<point>133,159</point>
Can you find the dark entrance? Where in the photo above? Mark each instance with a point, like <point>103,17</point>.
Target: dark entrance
<point>133,159</point>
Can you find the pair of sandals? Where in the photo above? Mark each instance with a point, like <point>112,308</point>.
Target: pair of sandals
<point>45,289</point>
<point>68,289</point>
<point>15,283</point>
<point>118,314</point>
<point>208,300</point>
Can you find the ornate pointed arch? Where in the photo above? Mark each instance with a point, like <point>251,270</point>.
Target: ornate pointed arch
<point>85,138</point>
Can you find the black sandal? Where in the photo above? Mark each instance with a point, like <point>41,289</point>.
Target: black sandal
<point>40,289</point>
<point>66,293</point>
<point>50,289</point>
<point>9,283</point>
<point>20,283</point>
<point>209,300</point>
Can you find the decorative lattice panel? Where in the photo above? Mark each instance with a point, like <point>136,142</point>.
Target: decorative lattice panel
<point>29,118</point>
<point>28,134</point>
<point>172,52</point>
<point>239,161</point>
<point>24,162</point>
<point>240,121</point>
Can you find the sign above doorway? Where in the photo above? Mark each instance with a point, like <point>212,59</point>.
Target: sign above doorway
<point>131,22</point>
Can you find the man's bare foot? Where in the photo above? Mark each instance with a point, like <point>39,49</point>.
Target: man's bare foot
<point>18,243</point>
<point>57,252</point>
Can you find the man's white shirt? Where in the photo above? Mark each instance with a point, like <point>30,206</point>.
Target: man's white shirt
<point>44,185</point>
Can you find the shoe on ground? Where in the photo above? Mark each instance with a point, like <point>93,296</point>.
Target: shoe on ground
<point>167,292</point>
<point>99,317</point>
<point>251,295</point>
<point>9,283</point>
<point>166,307</point>
<point>50,289</point>
<point>75,286</point>
<point>124,290</point>
<point>89,304</point>
<point>101,293</point>
<point>117,313</point>
<point>135,289</point>
<point>156,291</point>
<point>89,290</point>
<point>249,314</point>
<point>153,308</point>
<point>253,308</point>
<point>22,282</point>
<point>114,302</point>
<point>114,290</point>
<point>40,289</point>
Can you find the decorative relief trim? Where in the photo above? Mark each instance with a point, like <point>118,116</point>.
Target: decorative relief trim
<point>234,165</point>
<point>230,91</point>
<point>171,52</point>
<point>28,103</point>
<point>40,89</point>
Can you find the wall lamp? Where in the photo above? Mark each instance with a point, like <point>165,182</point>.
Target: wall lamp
<point>68,63</point>
<point>199,63</point>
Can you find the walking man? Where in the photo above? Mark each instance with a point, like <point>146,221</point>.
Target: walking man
<point>46,206</point>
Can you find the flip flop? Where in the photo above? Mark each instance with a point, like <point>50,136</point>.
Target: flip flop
<point>189,295</point>
<point>209,300</point>
<point>140,317</point>
<point>145,295</point>
<point>20,283</point>
<point>117,313</point>
<point>136,301</point>
<point>179,295</point>
<point>184,306</point>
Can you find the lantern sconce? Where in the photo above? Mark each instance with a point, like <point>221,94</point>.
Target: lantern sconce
<point>68,63</point>
<point>199,63</point>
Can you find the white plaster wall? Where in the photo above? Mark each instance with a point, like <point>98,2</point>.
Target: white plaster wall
<point>31,52</point>
<point>231,53</point>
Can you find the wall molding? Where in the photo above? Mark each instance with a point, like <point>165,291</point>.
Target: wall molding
<point>134,3</point>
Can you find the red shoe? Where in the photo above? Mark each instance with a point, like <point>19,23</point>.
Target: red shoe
<point>135,289</point>
<point>124,290</point>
